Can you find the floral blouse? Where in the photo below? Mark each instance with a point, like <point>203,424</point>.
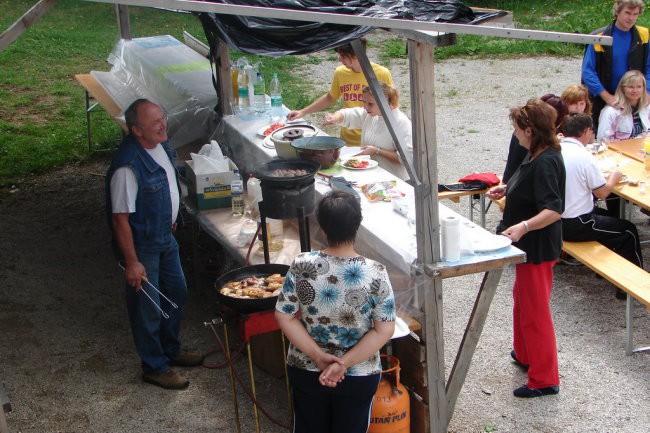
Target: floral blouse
<point>338,299</point>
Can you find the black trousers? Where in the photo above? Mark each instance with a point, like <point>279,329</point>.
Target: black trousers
<point>617,234</point>
<point>343,409</point>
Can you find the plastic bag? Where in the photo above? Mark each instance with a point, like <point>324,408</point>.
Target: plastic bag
<point>381,191</point>
<point>278,37</point>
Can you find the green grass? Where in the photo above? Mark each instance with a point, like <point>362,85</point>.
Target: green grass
<point>42,120</point>
<point>575,16</point>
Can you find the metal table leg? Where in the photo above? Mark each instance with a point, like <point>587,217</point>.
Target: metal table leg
<point>252,375</point>
<point>233,388</point>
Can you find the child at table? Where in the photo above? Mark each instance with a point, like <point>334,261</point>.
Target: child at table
<point>376,140</point>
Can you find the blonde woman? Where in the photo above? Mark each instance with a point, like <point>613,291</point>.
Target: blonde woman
<point>630,116</point>
<point>376,140</point>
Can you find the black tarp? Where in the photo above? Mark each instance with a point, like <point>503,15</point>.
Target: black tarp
<point>278,37</point>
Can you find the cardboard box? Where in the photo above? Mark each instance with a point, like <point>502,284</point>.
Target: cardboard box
<point>209,191</point>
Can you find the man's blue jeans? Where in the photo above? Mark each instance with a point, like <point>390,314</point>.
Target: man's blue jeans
<point>156,338</point>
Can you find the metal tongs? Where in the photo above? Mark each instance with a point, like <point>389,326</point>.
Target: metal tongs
<point>341,183</point>
<point>172,303</point>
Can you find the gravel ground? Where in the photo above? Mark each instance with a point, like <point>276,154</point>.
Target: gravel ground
<point>67,359</point>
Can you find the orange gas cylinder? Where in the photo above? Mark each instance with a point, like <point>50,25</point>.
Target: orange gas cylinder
<point>391,407</point>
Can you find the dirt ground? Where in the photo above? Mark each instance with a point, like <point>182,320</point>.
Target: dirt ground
<point>69,365</point>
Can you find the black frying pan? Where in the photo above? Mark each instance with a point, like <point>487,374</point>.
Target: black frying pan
<point>249,305</point>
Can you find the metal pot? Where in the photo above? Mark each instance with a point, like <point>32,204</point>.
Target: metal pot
<point>282,138</point>
<point>282,196</point>
<point>249,305</point>
<point>324,150</point>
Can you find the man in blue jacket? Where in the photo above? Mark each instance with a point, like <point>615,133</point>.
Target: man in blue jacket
<point>603,66</point>
<point>142,204</point>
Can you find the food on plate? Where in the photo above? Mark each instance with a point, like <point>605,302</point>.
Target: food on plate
<point>254,287</point>
<point>288,172</point>
<point>356,163</point>
<point>271,128</point>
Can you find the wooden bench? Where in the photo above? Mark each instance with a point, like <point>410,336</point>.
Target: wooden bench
<point>475,198</point>
<point>624,274</point>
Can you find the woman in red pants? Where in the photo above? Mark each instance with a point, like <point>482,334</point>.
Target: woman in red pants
<point>531,219</point>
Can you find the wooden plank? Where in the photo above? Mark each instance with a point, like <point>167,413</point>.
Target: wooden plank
<point>25,22</point>
<point>613,267</point>
<point>95,90</point>
<point>123,23</point>
<point>221,60</point>
<point>470,338</point>
<point>359,20</point>
<point>446,270</point>
<point>195,44</point>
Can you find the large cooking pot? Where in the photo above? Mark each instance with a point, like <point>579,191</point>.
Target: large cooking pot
<point>282,138</point>
<point>249,305</point>
<point>283,196</point>
<point>324,149</point>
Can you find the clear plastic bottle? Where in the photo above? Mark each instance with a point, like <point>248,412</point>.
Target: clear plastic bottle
<point>259,95</point>
<point>274,234</point>
<point>275,91</point>
<point>242,90</point>
<point>253,195</point>
<point>237,194</point>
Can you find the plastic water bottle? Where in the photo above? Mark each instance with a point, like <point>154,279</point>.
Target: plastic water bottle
<point>237,194</point>
<point>242,90</point>
<point>253,194</point>
<point>275,91</point>
<point>259,95</point>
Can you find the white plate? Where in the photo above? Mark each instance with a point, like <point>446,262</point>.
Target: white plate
<point>489,242</point>
<point>371,163</point>
<point>401,328</point>
<point>260,131</point>
<point>268,143</point>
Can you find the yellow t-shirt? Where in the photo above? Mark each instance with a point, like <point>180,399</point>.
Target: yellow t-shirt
<point>347,85</point>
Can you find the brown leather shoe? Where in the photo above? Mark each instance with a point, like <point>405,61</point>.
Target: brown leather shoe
<point>187,359</point>
<point>168,380</point>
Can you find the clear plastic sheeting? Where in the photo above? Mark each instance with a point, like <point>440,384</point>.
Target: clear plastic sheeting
<point>169,73</point>
<point>277,37</point>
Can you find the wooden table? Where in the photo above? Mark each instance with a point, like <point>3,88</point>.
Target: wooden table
<point>633,169</point>
<point>94,91</point>
<point>632,148</point>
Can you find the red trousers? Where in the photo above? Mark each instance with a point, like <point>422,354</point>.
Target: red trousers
<point>534,334</point>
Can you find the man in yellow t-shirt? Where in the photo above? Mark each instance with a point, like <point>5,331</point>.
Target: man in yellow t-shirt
<point>347,84</point>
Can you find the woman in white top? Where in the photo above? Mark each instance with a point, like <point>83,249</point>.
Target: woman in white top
<point>376,140</point>
<point>630,115</point>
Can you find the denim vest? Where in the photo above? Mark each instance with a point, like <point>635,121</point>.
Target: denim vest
<point>151,222</point>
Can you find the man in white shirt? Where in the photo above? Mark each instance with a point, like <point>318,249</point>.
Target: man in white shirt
<point>581,220</point>
<point>142,203</point>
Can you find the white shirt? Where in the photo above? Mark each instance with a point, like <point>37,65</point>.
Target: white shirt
<point>374,132</point>
<point>124,185</point>
<point>582,177</point>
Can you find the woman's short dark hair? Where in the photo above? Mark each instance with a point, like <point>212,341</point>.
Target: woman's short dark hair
<point>540,117</point>
<point>576,123</point>
<point>339,215</point>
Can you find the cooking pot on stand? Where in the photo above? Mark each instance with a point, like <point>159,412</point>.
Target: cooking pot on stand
<point>283,195</point>
<point>252,305</point>
<point>322,149</point>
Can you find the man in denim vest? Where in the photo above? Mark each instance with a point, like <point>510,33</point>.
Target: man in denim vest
<point>142,203</point>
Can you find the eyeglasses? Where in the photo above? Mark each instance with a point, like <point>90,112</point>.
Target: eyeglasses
<point>156,123</point>
<point>525,114</point>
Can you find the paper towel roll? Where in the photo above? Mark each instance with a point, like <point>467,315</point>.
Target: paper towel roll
<point>450,239</point>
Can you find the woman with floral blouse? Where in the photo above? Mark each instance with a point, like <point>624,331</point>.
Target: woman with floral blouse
<point>337,309</point>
